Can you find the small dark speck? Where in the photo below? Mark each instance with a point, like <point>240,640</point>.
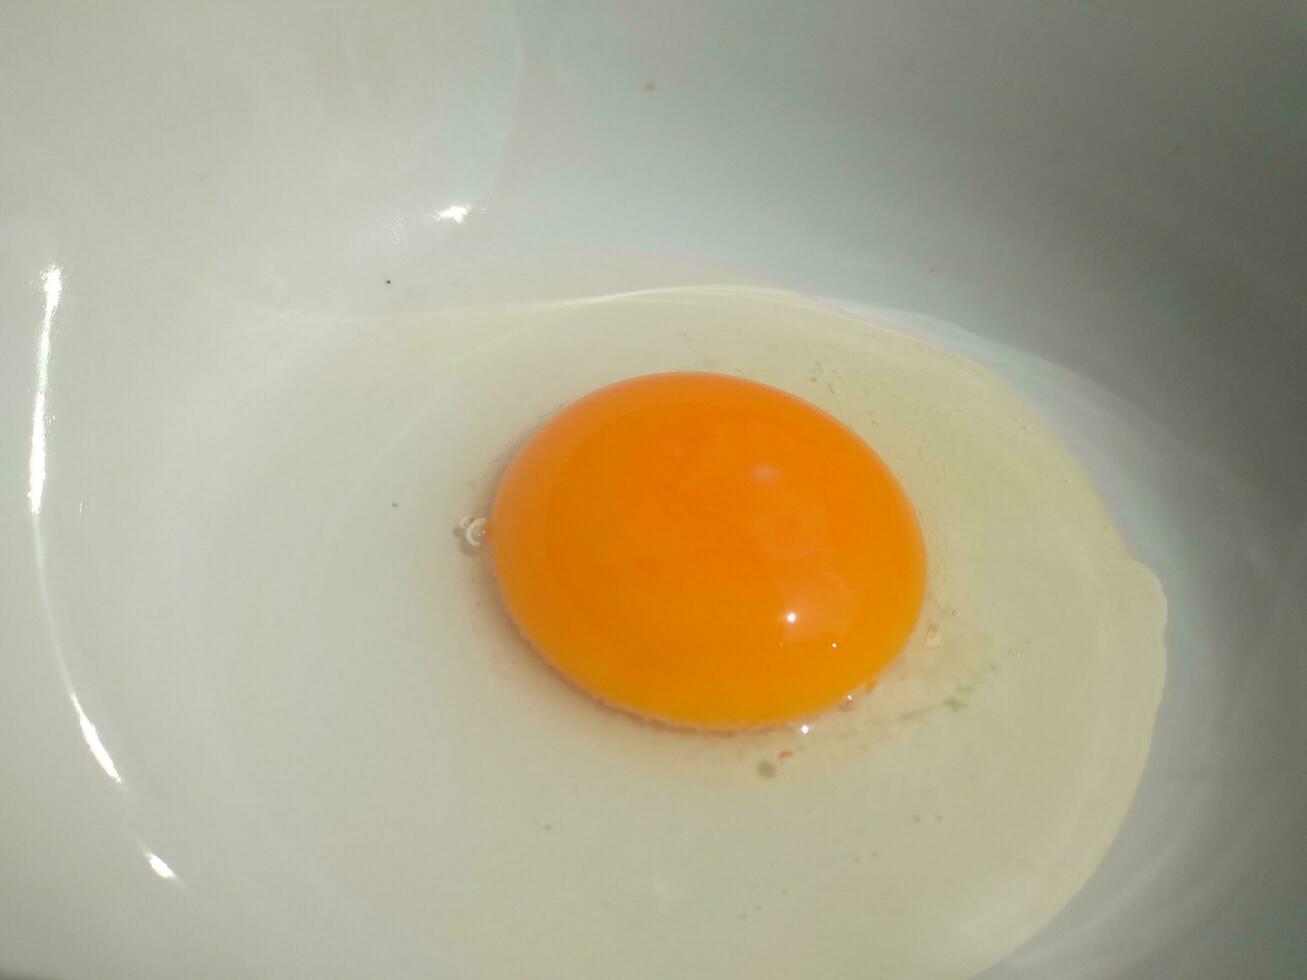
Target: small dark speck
<point>916,818</point>
<point>939,818</point>
<point>387,282</point>
<point>650,85</point>
<point>394,503</point>
<point>766,769</point>
<point>954,704</point>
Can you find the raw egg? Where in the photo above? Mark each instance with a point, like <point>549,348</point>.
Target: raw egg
<point>707,550</point>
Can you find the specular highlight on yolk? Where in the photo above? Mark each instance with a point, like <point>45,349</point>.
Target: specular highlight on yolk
<point>707,551</point>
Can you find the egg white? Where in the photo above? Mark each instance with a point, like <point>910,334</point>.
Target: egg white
<point>472,806</point>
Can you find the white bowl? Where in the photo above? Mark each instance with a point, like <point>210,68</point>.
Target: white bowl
<point>199,200</point>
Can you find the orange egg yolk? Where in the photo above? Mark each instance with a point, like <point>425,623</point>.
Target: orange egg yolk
<point>707,551</point>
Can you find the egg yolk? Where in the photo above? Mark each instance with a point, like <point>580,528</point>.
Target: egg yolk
<point>707,551</point>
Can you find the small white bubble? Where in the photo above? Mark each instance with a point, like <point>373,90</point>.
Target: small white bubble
<point>474,530</point>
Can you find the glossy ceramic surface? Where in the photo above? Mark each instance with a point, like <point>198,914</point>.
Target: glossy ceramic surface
<point>200,204</point>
